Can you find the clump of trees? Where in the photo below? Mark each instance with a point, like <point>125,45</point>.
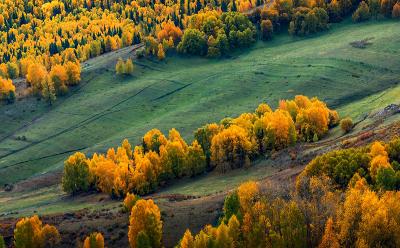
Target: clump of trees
<point>30,232</point>
<point>7,90</point>
<point>124,68</point>
<point>231,144</point>
<point>94,240</point>
<point>377,164</point>
<point>214,34</point>
<point>362,13</point>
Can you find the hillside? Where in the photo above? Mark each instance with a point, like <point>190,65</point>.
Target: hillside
<point>186,93</point>
<point>104,109</point>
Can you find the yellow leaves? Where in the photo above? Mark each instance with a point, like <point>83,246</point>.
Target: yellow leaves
<point>329,240</point>
<point>248,193</point>
<point>130,201</point>
<point>73,70</point>
<point>169,30</point>
<point>29,232</point>
<point>160,52</point>
<point>377,149</point>
<point>36,74</point>
<point>278,128</point>
<point>187,240</point>
<point>95,240</point>
<point>230,149</point>
<point>59,77</point>
<point>145,218</point>
<point>153,139</point>
<point>369,219</point>
<point>380,158</point>
<point>6,85</point>
<point>262,109</point>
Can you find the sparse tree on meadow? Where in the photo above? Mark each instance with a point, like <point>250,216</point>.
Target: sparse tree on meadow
<point>346,125</point>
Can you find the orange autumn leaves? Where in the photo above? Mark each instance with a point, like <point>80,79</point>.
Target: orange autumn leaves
<point>142,170</point>
<point>229,145</point>
<point>7,88</point>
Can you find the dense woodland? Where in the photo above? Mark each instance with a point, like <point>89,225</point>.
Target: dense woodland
<point>345,198</point>
<point>45,41</point>
<point>231,144</point>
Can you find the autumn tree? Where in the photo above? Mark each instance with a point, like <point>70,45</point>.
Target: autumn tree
<point>36,75</point>
<point>387,7</point>
<point>153,139</point>
<point>267,29</point>
<point>12,70</point>
<point>362,13</point>
<point>50,236</point>
<point>130,201</point>
<point>329,240</point>
<point>247,194</point>
<point>73,70</point>
<point>129,67</point>
<point>396,11</point>
<point>196,160</point>
<point>58,76</point>
<point>120,67</point>
<point>94,240</point>
<point>30,233</point>
<point>380,158</point>
<point>145,218</point>
<point>7,90</point>
<point>48,91</point>
<point>187,240</point>
<point>160,52</point>
<point>76,174</point>
<point>230,149</point>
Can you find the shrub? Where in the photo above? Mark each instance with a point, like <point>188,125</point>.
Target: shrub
<point>346,125</point>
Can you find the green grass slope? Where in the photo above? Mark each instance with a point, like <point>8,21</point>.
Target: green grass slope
<point>186,93</point>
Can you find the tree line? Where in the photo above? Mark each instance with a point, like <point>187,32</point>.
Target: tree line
<point>231,144</point>
<point>322,210</point>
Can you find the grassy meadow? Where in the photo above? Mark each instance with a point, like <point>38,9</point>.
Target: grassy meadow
<point>187,93</point>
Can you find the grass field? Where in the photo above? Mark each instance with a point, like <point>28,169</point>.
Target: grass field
<point>186,93</point>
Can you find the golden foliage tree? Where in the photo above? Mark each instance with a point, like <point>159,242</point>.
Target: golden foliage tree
<point>329,240</point>
<point>76,174</point>
<point>30,233</point>
<point>145,218</point>
<point>94,240</point>
<point>187,240</point>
